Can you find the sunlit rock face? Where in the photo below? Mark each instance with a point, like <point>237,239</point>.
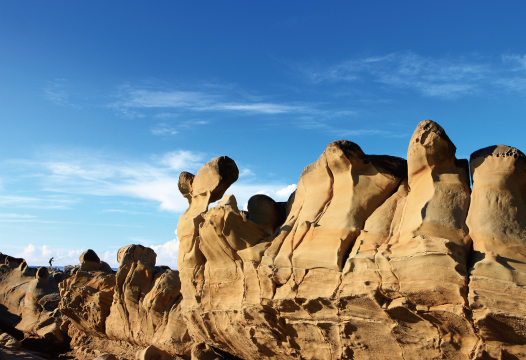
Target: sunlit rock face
<point>497,225</point>
<point>140,304</point>
<point>29,299</point>
<point>371,258</point>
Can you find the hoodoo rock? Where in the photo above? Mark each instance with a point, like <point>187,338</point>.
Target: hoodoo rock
<point>372,257</point>
<point>497,225</point>
<point>140,304</point>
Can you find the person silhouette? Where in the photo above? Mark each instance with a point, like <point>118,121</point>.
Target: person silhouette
<point>51,262</point>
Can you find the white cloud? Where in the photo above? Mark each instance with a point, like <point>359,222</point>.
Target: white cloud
<point>283,194</point>
<point>97,175</point>
<point>40,255</point>
<point>163,129</point>
<point>111,258</point>
<point>214,100</point>
<point>517,62</point>
<point>443,77</point>
<point>167,253</point>
<point>16,216</point>
<point>246,173</point>
<point>29,250</point>
<point>46,251</point>
<point>182,160</point>
<point>266,108</point>
<point>88,173</point>
<point>43,202</point>
<point>173,128</point>
<point>57,92</point>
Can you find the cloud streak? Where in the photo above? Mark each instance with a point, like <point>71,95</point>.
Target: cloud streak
<point>446,77</point>
<point>35,202</point>
<point>131,99</point>
<point>86,173</point>
<point>57,92</point>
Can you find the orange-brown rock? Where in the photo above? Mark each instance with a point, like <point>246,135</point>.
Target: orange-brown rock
<point>29,300</point>
<point>371,261</point>
<point>497,225</point>
<point>140,304</point>
<point>372,257</point>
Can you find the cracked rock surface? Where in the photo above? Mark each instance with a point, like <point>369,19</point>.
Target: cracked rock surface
<point>372,257</point>
<point>376,258</point>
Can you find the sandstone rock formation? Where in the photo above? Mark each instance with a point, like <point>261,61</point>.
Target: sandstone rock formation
<point>30,299</point>
<point>372,257</point>
<point>372,260</point>
<point>140,304</point>
<point>497,225</point>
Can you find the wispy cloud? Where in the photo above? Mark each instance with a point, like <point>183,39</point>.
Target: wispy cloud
<point>173,128</point>
<point>311,123</point>
<point>36,202</point>
<point>87,173</point>
<point>132,99</point>
<point>16,216</point>
<point>164,129</point>
<point>515,61</point>
<point>57,92</point>
<point>167,253</point>
<point>445,77</point>
<point>102,176</point>
<point>284,193</point>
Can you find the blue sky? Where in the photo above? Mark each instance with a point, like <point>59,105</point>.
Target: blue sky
<point>103,104</point>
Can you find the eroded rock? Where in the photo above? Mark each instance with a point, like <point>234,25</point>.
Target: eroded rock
<point>497,224</point>
<point>140,304</point>
<point>370,262</point>
<point>372,257</point>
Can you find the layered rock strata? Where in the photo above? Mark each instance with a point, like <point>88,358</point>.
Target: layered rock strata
<point>372,260</point>
<point>372,257</point>
<point>497,225</point>
<point>29,300</point>
<point>140,304</point>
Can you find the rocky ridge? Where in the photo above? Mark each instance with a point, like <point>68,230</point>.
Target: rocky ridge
<point>372,257</point>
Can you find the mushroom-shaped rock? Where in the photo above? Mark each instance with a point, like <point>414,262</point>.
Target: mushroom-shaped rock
<point>104,266</point>
<point>133,253</point>
<point>215,177</point>
<point>185,184</point>
<point>497,216</point>
<point>89,261</point>
<point>207,186</point>
<point>431,234</point>
<point>497,225</point>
